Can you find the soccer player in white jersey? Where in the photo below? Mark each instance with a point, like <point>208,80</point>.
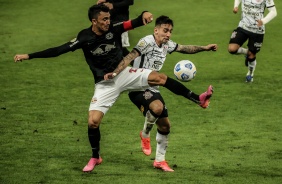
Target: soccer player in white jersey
<point>150,53</point>
<point>252,28</point>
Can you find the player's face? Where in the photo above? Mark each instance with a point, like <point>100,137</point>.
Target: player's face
<point>102,23</point>
<point>162,33</point>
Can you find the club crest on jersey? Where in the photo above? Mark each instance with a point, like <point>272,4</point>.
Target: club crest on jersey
<point>109,36</point>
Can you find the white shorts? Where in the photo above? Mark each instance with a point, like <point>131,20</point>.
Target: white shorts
<point>107,92</point>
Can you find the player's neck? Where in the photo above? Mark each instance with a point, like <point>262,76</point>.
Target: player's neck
<point>97,31</point>
<point>158,42</point>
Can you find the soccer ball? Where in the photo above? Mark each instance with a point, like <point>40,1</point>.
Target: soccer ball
<point>185,70</point>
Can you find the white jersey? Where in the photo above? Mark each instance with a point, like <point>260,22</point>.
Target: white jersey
<point>151,55</point>
<point>252,11</point>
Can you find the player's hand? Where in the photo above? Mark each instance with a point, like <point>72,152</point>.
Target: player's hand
<point>147,18</point>
<point>20,57</point>
<point>259,23</point>
<point>109,5</point>
<point>101,1</point>
<point>212,47</point>
<point>109,76</point>
<point>235,10</point>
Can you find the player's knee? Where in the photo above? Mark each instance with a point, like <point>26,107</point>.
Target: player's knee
<point>92,122</point>
<point>232,49</point>
<point>165,128</point>
<point>157,107</point>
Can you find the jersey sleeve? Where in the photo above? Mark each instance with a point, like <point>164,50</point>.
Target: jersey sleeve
<point>142,46</point>
<point>172,46</point>
<point>270,3</point>
<point>51,52</point>
<point>72,45</point>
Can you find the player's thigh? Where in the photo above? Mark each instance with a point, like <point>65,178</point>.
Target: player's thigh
<point>134,79</point>
<point>143,100</point>
<point>105,95</point>
<point>255,42</point>
<point>238,37</point>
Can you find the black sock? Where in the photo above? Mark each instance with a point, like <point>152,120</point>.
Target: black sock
<point>94,139</point>
<point>163,133</point>
<point>179,89</point>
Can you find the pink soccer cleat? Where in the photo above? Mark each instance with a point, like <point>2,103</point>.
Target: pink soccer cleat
<point>205,97</point>
<point>146,145</point>
<point>91,164</point>
<point>163,166</point>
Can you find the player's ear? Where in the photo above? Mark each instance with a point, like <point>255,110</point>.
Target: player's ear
<point>155,30</point>
<point>94,21</point>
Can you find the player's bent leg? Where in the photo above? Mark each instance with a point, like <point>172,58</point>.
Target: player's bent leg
<point>174,86</point>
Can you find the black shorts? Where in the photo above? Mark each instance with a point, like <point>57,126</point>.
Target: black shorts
<point>142,100</point>
<point>240,36</point>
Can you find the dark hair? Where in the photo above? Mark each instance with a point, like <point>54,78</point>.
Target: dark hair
<point>163,20</point>
<point>94,11</point>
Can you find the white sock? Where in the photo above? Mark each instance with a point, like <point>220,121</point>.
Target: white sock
<point>162,142</point>
<point>242,50</point>
<point>251,67</point>
<point>150,120</point>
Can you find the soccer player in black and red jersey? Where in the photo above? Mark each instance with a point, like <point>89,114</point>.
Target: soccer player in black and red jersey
<point>103,54</point>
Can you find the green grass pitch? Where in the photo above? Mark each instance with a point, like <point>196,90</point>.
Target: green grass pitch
<point>44,102</point>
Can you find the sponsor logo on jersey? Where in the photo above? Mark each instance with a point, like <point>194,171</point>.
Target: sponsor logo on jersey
<point>103,49</point>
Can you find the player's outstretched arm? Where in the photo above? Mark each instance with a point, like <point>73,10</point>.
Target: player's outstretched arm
<point>192,49</point>
<point>122,65</point>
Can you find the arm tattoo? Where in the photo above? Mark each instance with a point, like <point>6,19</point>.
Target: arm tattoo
<point>190,49</point>
<point>125,61</point>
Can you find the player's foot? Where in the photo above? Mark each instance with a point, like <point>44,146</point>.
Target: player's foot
<point>146,145</point>
<point>163,166</point>
<point>249,78</point>
<point>250,75</point>
<point>205,97</point>
<point>91,164</point>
